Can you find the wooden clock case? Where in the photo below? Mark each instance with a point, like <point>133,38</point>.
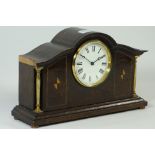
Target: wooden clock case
<point>49,93</point>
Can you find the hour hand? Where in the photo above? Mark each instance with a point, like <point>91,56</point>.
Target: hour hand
<point>99,58</point>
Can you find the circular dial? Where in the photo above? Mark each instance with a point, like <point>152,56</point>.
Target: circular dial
<point>91,63</point>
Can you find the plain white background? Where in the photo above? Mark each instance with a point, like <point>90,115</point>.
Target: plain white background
<point>20,40</point>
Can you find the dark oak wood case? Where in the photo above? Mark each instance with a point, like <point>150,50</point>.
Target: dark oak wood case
<point>49,93</point>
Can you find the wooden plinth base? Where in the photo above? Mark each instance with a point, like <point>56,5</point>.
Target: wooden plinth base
<point>53,117</point>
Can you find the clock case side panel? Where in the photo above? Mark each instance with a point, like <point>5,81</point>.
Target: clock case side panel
<point>124,76</point>
<point>125,73</point>
<point>27,86</point>
<point>54,86</point>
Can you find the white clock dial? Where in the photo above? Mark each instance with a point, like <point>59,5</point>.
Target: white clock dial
<point>91,63</point>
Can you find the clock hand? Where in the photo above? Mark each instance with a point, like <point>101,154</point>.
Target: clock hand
<point>99,58</point>
<point>85,58</point>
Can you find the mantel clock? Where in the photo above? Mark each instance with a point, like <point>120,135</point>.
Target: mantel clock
<point>79,74</point>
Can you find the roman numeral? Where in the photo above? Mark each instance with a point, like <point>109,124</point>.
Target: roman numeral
<point>87,50</point>
<point>99,51</point>
<point>79,63</point>
<point>89,78</point>
<point>84,76</point>
<point>104,63</point>
<point>80,70</point>
<point>101,71</point>
<point>93,48</point>
<point>103,56</point>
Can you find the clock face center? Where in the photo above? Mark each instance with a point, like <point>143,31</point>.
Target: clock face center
<point>91,63</point>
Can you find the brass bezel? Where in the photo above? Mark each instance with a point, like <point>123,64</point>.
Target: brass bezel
<point>107,70</point>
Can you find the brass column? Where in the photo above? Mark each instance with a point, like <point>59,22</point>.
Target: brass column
<point>38,86</point>
<point>135,72</point>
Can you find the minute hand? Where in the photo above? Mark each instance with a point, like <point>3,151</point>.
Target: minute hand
<point>99,58</point>
<point>85,58</point>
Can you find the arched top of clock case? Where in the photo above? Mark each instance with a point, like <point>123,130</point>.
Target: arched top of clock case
<point>67,41</point>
